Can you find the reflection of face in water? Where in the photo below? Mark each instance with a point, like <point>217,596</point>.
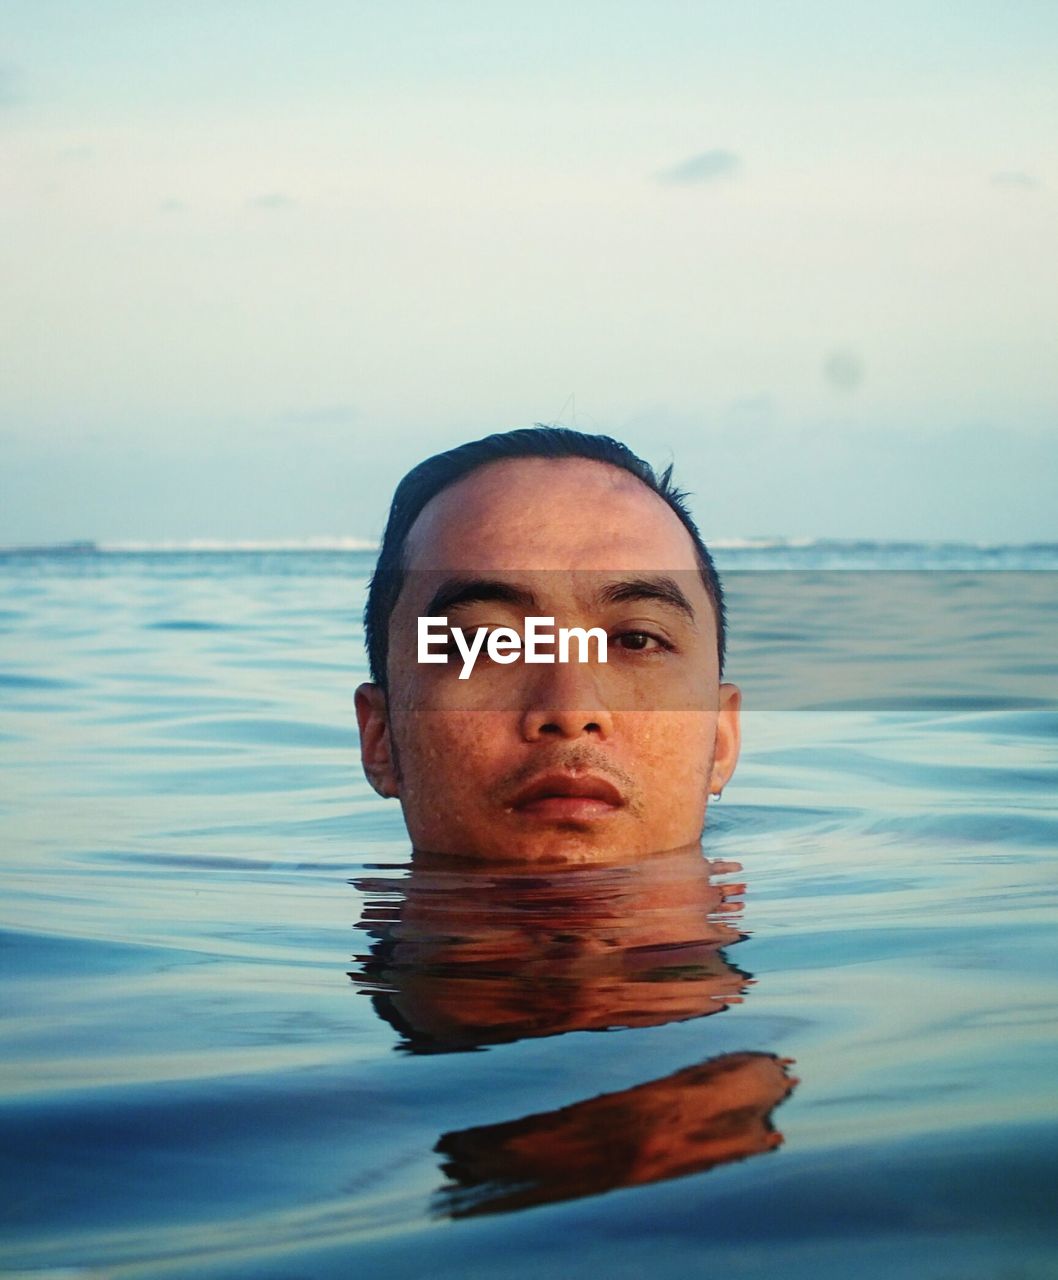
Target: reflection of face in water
<point>479,956</point>
<point>685,1123</point>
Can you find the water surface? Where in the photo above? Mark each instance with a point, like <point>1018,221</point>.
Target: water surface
<point>245,1034</point>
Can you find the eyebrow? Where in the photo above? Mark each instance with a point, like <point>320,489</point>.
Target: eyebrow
<point>455,592</point>
<point>660,589</point>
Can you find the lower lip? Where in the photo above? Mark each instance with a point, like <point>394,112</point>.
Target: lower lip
<point>568,809</point>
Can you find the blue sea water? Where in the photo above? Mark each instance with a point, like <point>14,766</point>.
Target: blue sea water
<point>243,1035</point>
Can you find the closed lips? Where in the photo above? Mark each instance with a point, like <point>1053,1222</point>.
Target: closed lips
<point>568,786</point>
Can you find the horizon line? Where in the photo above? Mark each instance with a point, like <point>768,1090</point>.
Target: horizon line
<point>353,544</point>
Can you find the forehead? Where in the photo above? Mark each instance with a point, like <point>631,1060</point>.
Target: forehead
<point>543,513</point>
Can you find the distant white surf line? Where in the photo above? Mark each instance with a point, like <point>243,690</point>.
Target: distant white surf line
<point>322,543</point>
<point>759,544</point>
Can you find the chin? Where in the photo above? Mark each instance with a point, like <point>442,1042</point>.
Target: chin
<point>578,845</point>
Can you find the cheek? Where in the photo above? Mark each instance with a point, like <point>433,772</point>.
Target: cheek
<point>672,742</point>
<point>446,766</point>
<point>442,751</point>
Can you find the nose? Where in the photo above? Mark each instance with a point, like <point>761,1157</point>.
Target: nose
<point>564,701</point>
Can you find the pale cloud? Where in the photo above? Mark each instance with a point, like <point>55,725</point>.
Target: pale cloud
<point>707,166</point>
<point>172,205</point>
<point>272,200</point>
<point>1015,180</point>
<point>843,369</point>
<point>751,410</point>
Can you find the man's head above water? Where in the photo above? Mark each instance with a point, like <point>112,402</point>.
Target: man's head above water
<point>577,761</point>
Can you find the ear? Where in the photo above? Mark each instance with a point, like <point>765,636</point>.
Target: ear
<point>376,752</point>
<point>728,737</point>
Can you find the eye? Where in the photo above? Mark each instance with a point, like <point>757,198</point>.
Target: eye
<point>469,637</point>
<point>640,642</point>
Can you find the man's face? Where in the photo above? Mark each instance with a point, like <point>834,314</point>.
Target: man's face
<point>565,761</point>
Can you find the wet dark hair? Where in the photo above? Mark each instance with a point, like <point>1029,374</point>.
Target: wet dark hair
<point>435,474</point>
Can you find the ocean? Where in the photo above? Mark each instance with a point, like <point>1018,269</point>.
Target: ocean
<point>243,1036</point>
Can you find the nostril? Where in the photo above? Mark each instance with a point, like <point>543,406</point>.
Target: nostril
<point>563,726</point>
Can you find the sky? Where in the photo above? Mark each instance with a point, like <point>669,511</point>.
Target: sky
<point>258,257</point>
